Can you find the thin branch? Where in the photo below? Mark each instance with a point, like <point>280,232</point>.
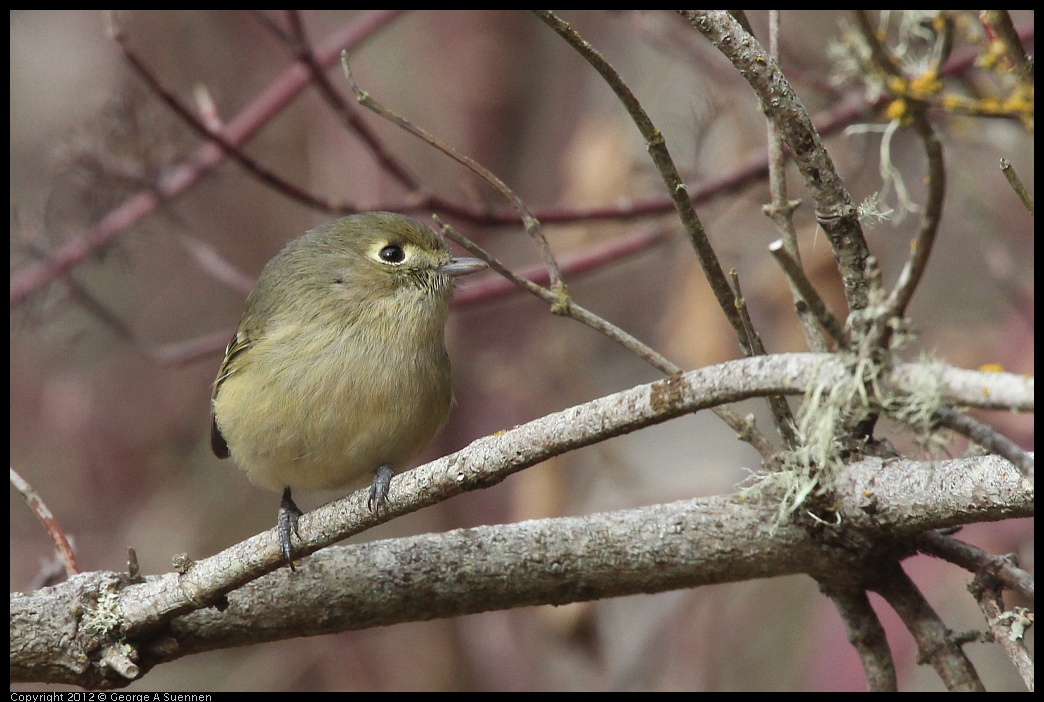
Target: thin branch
<point>975,560</point>
<point>1016,184</point>
<point>571,309</point>
<point>576,265</point>
<point>676,188</point>
<point>935,642</point>
<point>808,294</point>
<point>38,507</point>
<point>302,48</point>
<point>213,263</point>
<point>782,417</point>
<point>931,215</point>
<point>781,209</point>
<point>199,348</point>
<point>867,636</point>
<point>757,348</point>
<point>986,436</point>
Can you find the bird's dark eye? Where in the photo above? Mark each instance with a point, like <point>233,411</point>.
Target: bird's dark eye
<point>392,253</point>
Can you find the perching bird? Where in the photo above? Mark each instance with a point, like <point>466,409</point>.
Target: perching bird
<point>338,374</point>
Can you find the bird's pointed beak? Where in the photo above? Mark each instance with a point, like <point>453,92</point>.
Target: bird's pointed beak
<point>461,266</point>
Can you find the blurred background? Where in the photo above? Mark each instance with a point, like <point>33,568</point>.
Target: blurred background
<point>111,365</point>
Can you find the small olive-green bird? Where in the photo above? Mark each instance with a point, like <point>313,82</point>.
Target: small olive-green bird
<point>338,374</point>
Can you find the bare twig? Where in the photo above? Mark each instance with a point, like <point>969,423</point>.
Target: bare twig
<point>757,348</point>
<point>931,215</point>
<point>1016,184</point>
<point>975,560</point>
<point>781,211</point>
<point>191,350</point>
<point>573,310</point>
<point>987,437</point>
<point>808,294</point>
<point>50,524</point>
<point>217,266</point>
<point>935,643</point>
<point>867,636</point>
<point>782,417</point>
<point>302,48</point>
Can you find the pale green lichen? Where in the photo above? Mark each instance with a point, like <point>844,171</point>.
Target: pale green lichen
<point>829,411</point>
<point>102,615</point>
